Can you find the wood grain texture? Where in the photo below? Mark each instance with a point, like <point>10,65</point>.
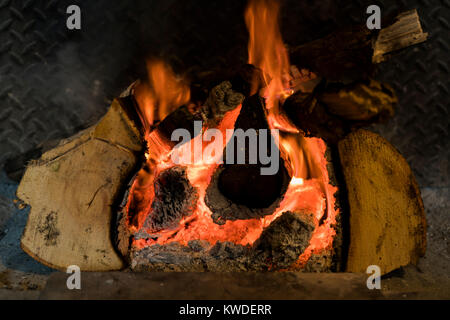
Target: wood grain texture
<point>71,191</point>
<point>404,32</point>
<point>387,220</point>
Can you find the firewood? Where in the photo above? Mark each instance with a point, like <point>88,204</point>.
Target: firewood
<point>183,118</point>
<point>285,239</point>
<point>248,80</point>
<point>72,190</point>
<point>368,101</point>
<point>221,99</point>
<point>387,220</point>
<point>223,208</point>
<point>348,55</point>
<point>334,110</point>
<point>175,198</point>
<point>243,183</point>
<point>278,248</point>
<point>405,31</point>
<point>313,118</point>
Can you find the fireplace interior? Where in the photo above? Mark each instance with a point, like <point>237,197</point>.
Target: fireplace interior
<point>293,164</point>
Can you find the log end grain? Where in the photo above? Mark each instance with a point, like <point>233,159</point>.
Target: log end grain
<point>387,219</point>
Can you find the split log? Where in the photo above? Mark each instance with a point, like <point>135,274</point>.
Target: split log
<point>404,32</point>
<point>221,99</point>
<point>313,118</point>
<point>368,101</point>
<point>348,55</point>
<point>387,220</point>
<point>333,111</point>
<point>72,189</point>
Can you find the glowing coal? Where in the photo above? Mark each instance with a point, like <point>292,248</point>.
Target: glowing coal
<point>182,226</point>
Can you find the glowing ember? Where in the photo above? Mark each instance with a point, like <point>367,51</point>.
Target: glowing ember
<point>309,191</point>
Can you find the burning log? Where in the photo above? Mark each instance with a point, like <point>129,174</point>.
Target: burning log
<point>285,239</point>
<point>72,189</point>
<point>221,99</point>
<point>175,198</point>
<point>313,118</point>
<point>332,112</point>
<point>385,199</point>
<point>278,248</point>
<point>348,55</point>
<point>244,185</point>
<point>248,80</point>
<point>223,208</point>
<point>369,101</point>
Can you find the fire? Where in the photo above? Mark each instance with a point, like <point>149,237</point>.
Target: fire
<point>161,95</point>
<point>267,51</point>
<point>305,156</point>
<point>156,99</point>
<point>309,191</point>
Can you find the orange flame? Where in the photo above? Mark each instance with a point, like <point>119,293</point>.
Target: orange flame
<point>163,93</point>
<point>267,51</point>
<point>309,187</point>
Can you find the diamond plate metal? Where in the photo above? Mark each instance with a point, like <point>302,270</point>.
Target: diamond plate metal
<point>54,81</point>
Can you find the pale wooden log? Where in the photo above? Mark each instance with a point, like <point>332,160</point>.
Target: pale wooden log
<point>404,32</point>
<point>71,191</point>
<point>387,220</point>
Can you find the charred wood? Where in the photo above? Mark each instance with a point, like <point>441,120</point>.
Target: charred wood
<point>224,208</point>
<point>313,118</point>
<point>348,55</point>
<point>369,101</point>
<point>175,198</point>
<point>332,111</point>
<point>244,183</point>
<point>285,239</point>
